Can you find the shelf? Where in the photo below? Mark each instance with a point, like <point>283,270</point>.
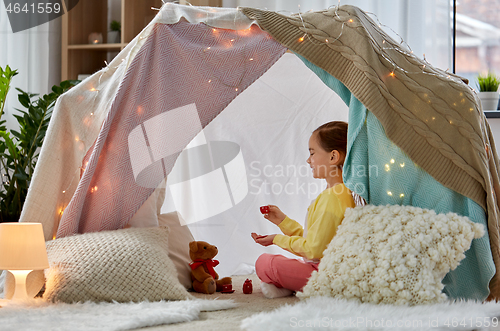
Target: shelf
<point>492,114</point>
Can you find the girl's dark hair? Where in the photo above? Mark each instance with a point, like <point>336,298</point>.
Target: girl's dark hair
<point>333,136</point>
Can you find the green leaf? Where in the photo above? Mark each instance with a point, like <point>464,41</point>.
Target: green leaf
<point>57,89</point>
<point>24,100</point>
<point>10,144</point>
<point>17,134</point>
<point>21,177</point>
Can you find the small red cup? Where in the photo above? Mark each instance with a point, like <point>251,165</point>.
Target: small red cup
<point>264,209</point>
<point>228,288</point>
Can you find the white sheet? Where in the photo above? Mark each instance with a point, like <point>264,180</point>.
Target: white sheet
<point>271,121</point>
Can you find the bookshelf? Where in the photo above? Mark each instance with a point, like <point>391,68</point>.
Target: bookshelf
<point>88,16</point>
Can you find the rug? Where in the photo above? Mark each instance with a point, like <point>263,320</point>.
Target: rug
<point>230,319</point>
<point>40,315</point>
<point>326,313</point>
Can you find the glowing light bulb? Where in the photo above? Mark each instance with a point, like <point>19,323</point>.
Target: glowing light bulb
<point>208,48</point>
<point>251,59</point>
<point>389,193</point>
<point>402,165</point>
<point>214,30</point>
<point>92,89</point>
<point>209,80</point>
<point>301,39</point>
<point>236,89</point>
<point>350,21</point>
<point>392,74</point>
<point>401,195</point>
<point>387,168</point>
<point>326,41</point>
<point>64,192</point>
<point>392,161</point>
<point>91,114</point>
<point>232,39</point>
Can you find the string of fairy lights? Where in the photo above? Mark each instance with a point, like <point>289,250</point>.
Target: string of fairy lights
<point>388,45</point>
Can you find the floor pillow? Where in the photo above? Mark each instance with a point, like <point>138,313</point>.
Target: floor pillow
<point>392,255</point>
<point>178,242</point>
<point>122,265</point>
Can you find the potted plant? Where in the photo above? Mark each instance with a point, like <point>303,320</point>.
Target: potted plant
<point>19,149</point>
<point>488,91</point>
<point>114,35</point>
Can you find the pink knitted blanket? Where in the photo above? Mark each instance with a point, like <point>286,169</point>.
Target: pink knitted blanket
<point>181,70</point>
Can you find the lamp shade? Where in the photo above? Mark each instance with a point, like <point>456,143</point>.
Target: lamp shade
<point>22,247</point>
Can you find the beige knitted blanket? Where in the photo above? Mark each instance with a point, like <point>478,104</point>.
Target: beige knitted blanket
<point>430,114</point>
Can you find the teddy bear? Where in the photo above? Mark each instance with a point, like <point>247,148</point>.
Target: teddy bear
<point>203,275</point>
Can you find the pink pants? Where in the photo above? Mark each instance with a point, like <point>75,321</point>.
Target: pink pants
<point>284,272</point>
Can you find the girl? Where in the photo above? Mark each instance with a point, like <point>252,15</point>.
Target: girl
<point>281,276</point>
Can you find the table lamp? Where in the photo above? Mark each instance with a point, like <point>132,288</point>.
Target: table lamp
<point>22,249</point>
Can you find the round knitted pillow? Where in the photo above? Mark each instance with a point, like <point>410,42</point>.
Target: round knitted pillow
<point>392,255</point>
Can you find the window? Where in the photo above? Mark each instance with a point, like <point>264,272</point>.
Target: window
<point>424,25</point>
<point>477,38</point>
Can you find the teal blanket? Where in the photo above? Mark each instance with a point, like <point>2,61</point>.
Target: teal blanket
<point>382,174</point>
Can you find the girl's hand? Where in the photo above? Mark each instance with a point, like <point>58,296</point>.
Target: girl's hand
<point>275,215</point>
<point>266,240</point>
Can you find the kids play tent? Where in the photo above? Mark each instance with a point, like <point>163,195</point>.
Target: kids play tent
<point>210,99</point>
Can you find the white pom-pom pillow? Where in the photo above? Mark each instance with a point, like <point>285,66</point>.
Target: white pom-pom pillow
<point>123,265</point>
<point>392,255</point>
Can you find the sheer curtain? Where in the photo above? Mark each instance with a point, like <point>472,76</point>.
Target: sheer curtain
<point>35,53</point>
<point>425,25</point>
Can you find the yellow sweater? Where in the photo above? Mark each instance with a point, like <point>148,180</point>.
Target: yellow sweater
<point>324,215</point>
